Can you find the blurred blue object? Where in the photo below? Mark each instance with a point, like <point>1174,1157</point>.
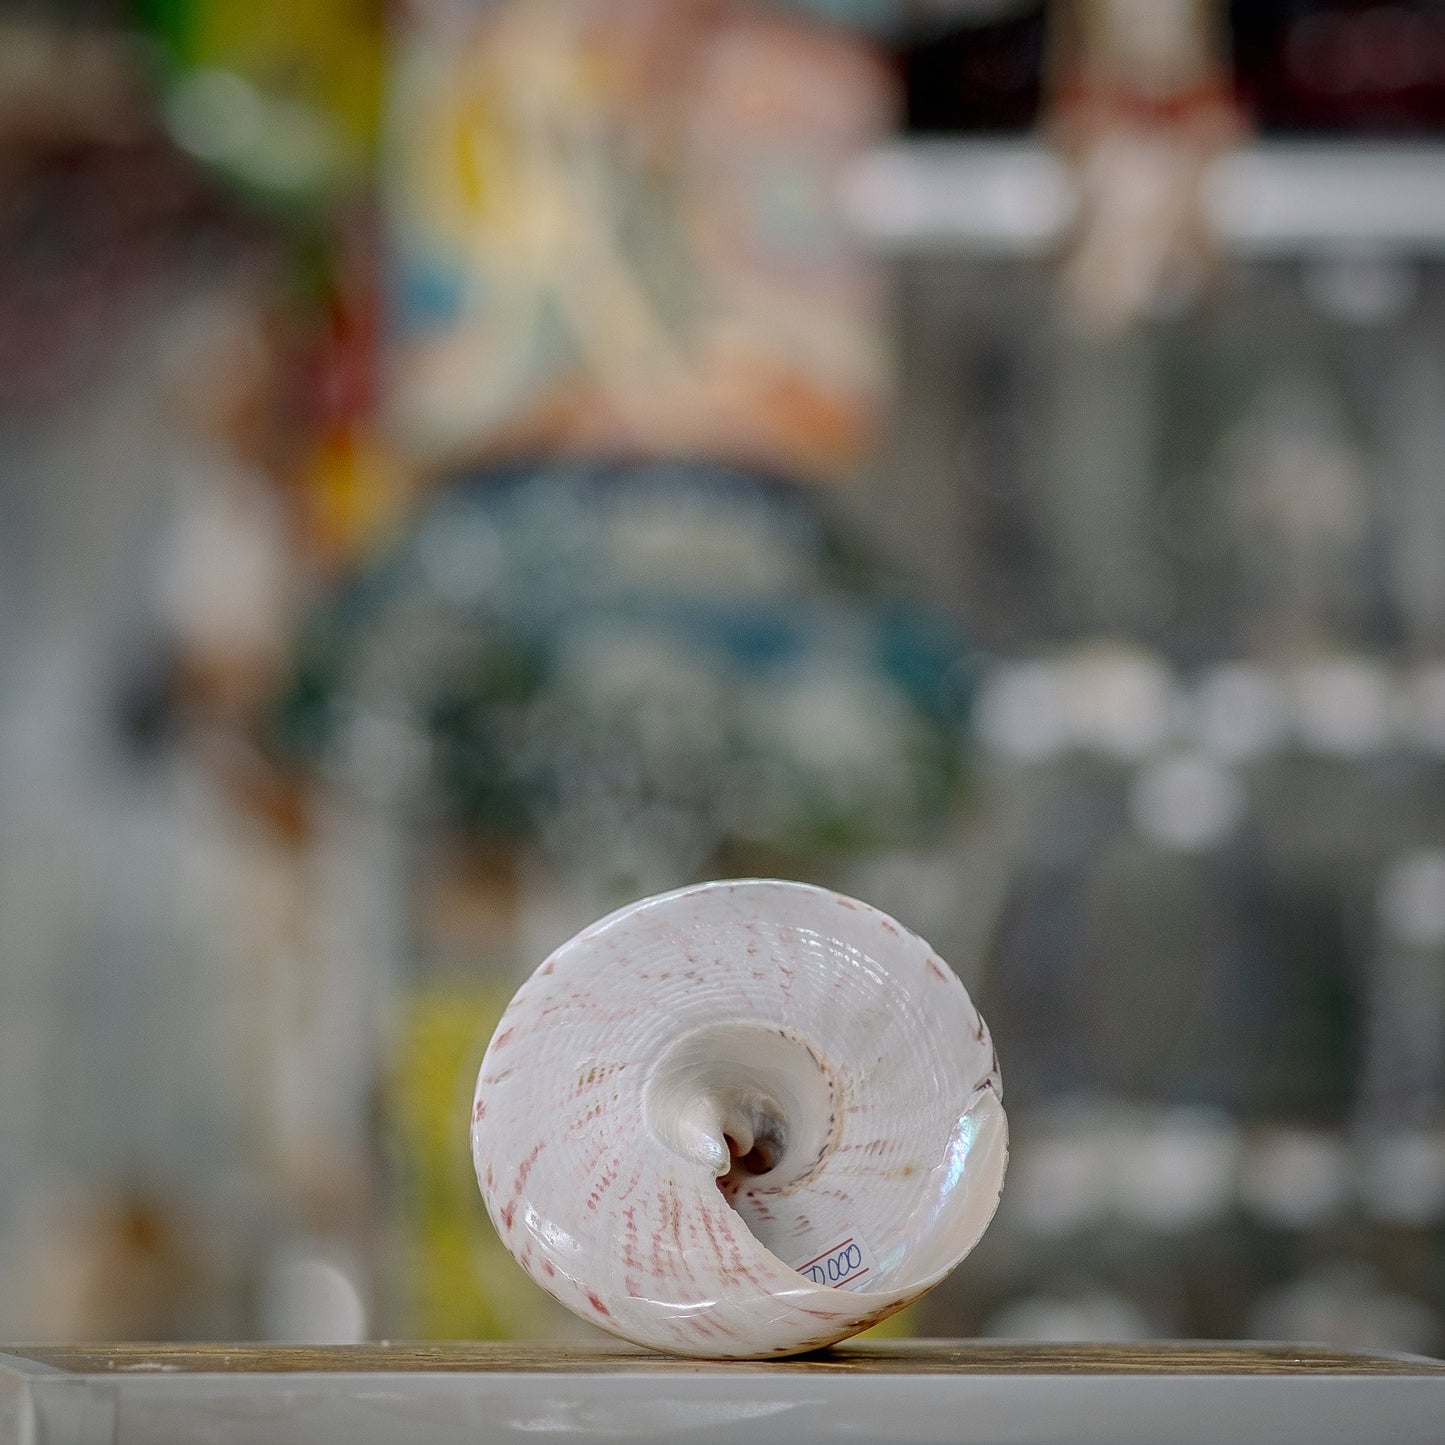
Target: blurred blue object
<point>606,657</point>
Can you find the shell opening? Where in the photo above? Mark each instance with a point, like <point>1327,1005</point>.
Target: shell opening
<point>754,1104</point>
<point>753,1161</point>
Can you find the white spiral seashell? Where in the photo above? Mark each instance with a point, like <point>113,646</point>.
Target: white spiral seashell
<point>740,1120</point>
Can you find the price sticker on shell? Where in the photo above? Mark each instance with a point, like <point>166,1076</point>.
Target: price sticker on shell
<point>844,1265</point>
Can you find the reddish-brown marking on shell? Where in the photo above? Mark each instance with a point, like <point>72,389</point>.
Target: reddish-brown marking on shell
<point>479,1111</point>
<point>630,1256</point>
<point>504,1038</point>
<point>605,1183</point>
<point>674,1222</point>
<point>519,1185</point>
<point>631,1185</point>
<point>525,1167</point>
<point>595,1112</point>
<point>936,971</point>
<point>712,1239</point>
<point>596,1302</point>
<point>598,1074</point>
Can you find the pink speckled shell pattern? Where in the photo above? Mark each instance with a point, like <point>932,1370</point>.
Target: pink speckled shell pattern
<point>740,1120</point>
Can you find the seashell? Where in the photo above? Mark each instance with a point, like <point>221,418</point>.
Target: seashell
<point>739,1120</point>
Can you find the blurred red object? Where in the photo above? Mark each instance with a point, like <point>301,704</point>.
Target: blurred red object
<point>1142,102</point>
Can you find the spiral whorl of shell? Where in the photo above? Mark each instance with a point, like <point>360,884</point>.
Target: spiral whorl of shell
<point>740,1120</point>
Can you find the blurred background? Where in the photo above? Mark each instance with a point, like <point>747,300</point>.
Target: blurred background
<point>465,464</point>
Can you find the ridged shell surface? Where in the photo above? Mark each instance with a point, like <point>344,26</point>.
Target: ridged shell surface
<point>740,1120</point>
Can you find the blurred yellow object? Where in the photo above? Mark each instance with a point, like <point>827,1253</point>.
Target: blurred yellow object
<point>327,54</point>
<point>462,1282</point>
<point>896,1327</point>
<point>287,97</point>
<point>354,489</point>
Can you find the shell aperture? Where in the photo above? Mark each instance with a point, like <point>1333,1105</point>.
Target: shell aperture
<point>740,1120</point>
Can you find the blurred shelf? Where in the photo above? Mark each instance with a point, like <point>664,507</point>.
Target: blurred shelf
<point>918,1390</point>
<point>1015,198</point>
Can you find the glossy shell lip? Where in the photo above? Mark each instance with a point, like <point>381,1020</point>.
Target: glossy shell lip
<point>725,1033</point>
